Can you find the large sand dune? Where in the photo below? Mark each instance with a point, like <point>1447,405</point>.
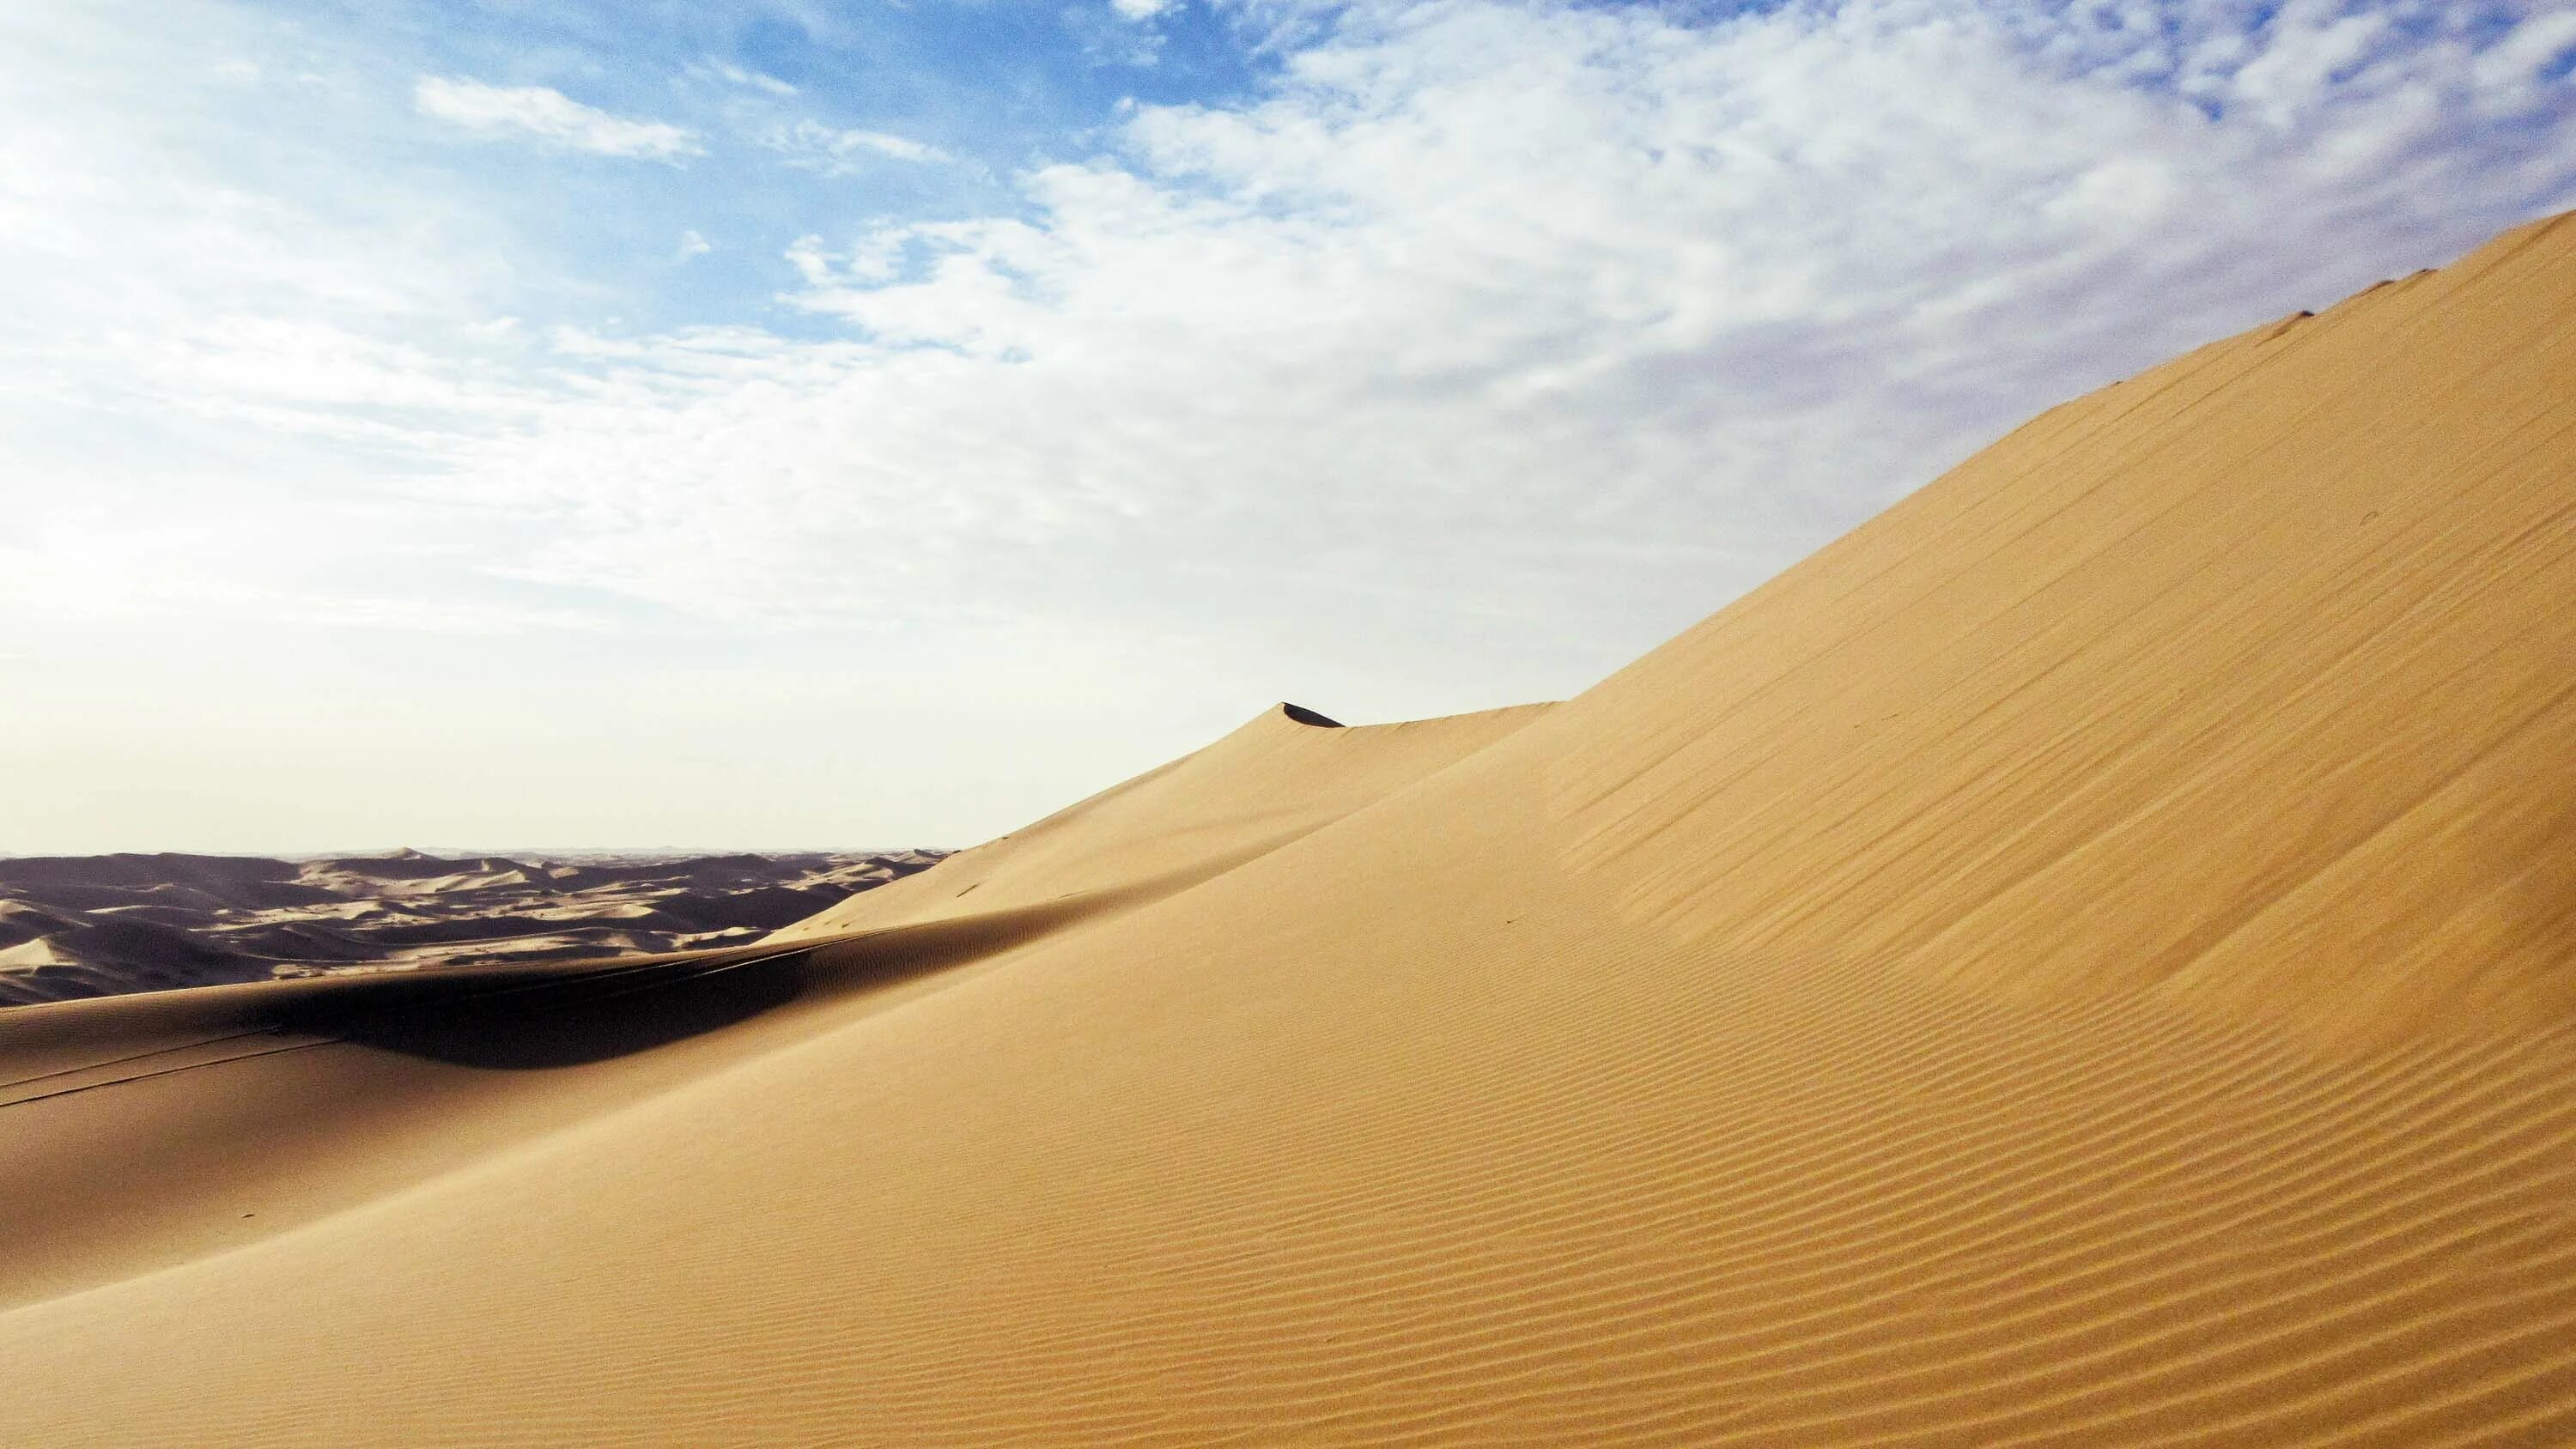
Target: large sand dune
<point>2082,960</point>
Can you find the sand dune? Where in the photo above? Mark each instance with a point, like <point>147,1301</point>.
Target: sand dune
<point>1286,774</point>
<point>2081,960</point>
<point>73,926</point>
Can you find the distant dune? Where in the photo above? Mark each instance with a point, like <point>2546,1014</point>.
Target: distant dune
<point>96,925</point>
<point>2084,959</point>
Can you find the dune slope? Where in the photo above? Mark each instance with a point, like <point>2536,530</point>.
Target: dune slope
<point>2249,680</point>
<point>2080,961</point>
<point>1286,773</point>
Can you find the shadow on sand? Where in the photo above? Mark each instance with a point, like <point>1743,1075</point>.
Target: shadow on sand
<point>562,1014</point>
<point>557,1018</point>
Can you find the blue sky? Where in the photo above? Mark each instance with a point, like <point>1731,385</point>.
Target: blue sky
<point>761,92</point>
<point>795,424</point>
<point>985,90</point>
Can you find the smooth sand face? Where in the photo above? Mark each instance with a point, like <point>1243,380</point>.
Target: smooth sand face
<point>2081,960</point>
<point>1268,783</point>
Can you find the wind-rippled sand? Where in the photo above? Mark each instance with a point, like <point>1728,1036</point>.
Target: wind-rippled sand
<point>2086,958</point>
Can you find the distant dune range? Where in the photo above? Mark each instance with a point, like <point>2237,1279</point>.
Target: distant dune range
<point>96,925</point>
<point>2085,959</point>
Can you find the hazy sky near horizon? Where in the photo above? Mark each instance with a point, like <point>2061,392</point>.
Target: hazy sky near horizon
<point>798,423</point>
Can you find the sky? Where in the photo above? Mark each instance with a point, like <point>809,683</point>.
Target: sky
<point>636,423</point>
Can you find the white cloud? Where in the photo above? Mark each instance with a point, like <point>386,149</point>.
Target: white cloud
<point>693,245</point>
<point>835,152</point>
<point>1140,9</point>
<point>548,115</point>
<point>1489,344</point>
<point>753,78</point>
<point>1543,327</point>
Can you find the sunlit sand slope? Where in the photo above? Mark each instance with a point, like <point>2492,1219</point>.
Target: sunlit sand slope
<point>2252,680</point>
<point>1285,774</point>
<point>139,1123</point>
<point>1687,1064</point>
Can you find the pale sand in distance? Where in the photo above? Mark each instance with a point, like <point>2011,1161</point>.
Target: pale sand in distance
<point>2087,958</point>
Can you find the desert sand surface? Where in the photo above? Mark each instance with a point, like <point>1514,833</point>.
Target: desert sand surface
<point>96,925</point>
<point>2084,959</point>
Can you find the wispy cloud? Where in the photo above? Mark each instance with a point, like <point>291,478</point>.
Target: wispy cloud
<point>1540,327</point>
<point>548,115</point>
<point>752,78</point>
<point>1545,318</point>
<point>836,152</point>
<point>1581,319</point>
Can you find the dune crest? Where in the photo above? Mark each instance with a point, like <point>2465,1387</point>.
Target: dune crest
<point>2079,961</point>
<point>1286,773</point>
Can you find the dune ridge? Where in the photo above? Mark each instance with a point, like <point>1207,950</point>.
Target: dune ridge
<point>1284,774</point>
<point>2079,961</point>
